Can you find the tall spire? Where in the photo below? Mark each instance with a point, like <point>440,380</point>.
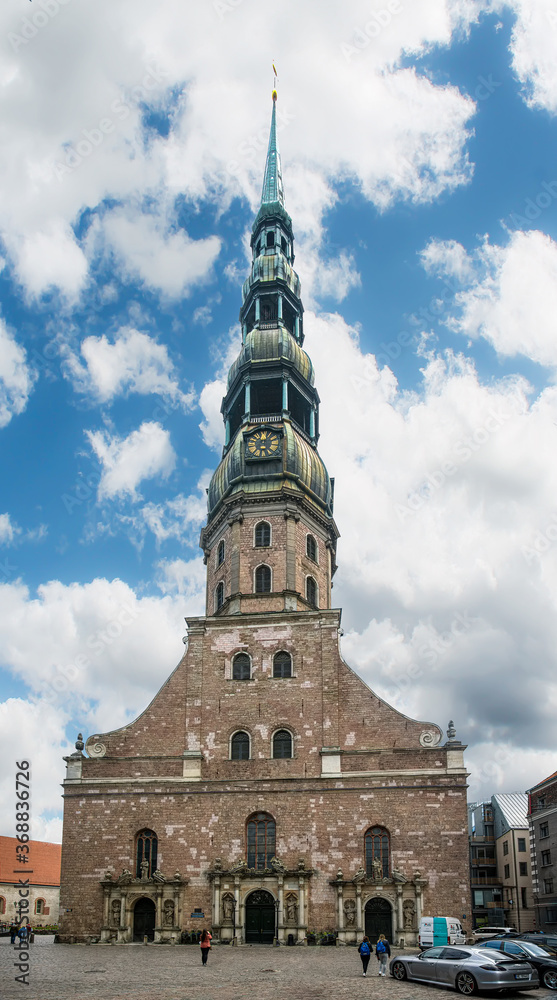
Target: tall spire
<point>272,182</point>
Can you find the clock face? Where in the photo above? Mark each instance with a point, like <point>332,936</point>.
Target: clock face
<point>263,444</point>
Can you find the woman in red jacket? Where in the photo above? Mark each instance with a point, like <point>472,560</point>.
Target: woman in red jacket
<point>205,943</point>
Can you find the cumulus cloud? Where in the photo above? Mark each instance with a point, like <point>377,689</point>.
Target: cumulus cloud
<point>180,518</point>
<point>132,363</point>
<point>125,462</point>
<point>533,50</point>
<point>8,530</point>
<point>510,294</point>
<point>16,379</point>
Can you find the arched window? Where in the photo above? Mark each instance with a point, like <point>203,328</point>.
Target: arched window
<point>282,743</point>
<point>282,664</point>
<point>261,838</point>
<point>219,596</point>
<point>239,747</point>
<point>377,850</point>
<point>241,667</point>
<point>2,904</point>
<point>311,548</point>
<point>311,591</point>
<point>39,905</point>
<point>262,534</point>
<point>263,580</point>
<point>146,852</point>
<point>220,553</point>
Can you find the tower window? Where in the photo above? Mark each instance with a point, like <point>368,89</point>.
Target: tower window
<point>241,667</point>
<point>270,239</point>
<point>146,853</point>
<point>311,548</point>
<point>239,747</point>
<point>284,245</point>
<point>220,553</point>
<point>266,394</point>
<point>311,591</point>
<point>219,596</point>
<point>262,535</point>
<point>282,664</point>
<point>377,850</point>
<point>261,838</point>
<point>282,744</point>
<point>263,580</point>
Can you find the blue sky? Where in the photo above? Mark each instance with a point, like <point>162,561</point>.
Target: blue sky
<point>419,151</point>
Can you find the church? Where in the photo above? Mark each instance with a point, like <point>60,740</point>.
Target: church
<point>266,792</point>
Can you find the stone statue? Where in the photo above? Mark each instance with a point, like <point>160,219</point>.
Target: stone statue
<point>144,869</point>
<point>228,902</point>
<point>301,864</point>
<point>277,865</point>
<point>115,916</point>
<point>158,876</point>
<point>376,869</point>
<point>292,908</point>
<point>349,912</point>
<point>168,913</point>
<point>409,913</point>
<point>360,875</point>
<point>217,867</point>
<point>125,877</point>
<point>398,876</point>
<point>240,866</point>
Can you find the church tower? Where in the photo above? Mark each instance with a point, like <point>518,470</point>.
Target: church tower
<point>270,539</point>
<point>266,791</point>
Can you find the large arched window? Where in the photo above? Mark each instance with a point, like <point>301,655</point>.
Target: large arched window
<point>311,548</point>
<point>261,838</point>
<point>282,743</point>
<point>377,850</point>
<point>311,591</point>
<point>239,747</point>
<point>241,667</point>
<point>263,580</point>
<point>282,664</point>
<point>146,853</point>
<point>220,553</point>
<point>262,536</point>
<point>219,596</point>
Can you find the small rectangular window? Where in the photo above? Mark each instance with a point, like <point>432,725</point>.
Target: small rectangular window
<point>544,830</point>
<point>521,844</point>
<point>546,857</point>
<point>505,847</point>
<point>507,871</point>
<point>548,885</point>
<point>523,898</point>
<point>522,868</point>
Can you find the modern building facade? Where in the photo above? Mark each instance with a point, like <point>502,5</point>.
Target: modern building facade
<point>542,816</point>
<point>512,846</point>
<point>485,885</point>
<point>266,791</point>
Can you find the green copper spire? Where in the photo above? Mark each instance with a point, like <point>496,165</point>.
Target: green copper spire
<point>272,182</point>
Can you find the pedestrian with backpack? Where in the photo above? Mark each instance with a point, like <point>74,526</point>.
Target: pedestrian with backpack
<point>383,952</point>
<point>365,954</point>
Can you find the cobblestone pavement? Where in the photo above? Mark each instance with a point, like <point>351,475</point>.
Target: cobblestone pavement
<point>163,972</point>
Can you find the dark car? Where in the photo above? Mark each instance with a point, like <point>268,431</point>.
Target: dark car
<point>547,941</point>
<point>527,951</point>
<point>466,969</point>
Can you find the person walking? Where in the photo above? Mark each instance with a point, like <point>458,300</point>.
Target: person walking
<point>13,931</point>
<point>383,952</point>
<point>205,943</point>
<point>365,954</point>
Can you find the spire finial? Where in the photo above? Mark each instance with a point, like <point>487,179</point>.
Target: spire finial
<point>272,181</point>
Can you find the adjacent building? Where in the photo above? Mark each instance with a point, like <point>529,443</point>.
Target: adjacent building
<point>542,816</point>
<point>266,791</point>
<point>485,883</point>
<point>43,872</point>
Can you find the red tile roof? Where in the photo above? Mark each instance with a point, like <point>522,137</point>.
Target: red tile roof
<point>545,780</point>
<point>43,866</point>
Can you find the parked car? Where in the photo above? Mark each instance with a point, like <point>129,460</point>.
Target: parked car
<point>489,931</point>
<point>466,969</point>
<point>526,951</point>
<point>547,941</point>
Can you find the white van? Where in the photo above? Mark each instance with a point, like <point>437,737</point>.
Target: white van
<point>440,930</point>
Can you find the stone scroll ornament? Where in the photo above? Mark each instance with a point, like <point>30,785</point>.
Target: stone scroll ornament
<point>430,738</point>
<point>97,749</point>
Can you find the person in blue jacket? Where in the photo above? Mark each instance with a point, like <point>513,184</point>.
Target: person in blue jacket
<point>365,954</point>
<point>383,952</point>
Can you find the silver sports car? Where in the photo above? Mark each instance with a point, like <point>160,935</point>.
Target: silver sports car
<point>466,969</point>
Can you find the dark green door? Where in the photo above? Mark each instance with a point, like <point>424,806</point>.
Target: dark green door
<point>378,919</point>
<point>144,919</point>
<point>260,918</point>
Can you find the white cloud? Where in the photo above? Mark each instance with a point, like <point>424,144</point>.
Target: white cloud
<point>51,258</point>
<point>184,578</point>
<point>143,454</point>
<point>533,50</point>
<point>511,298</point>
<point>133,363</point>
<point>16,379</point>
<point>8,530</point>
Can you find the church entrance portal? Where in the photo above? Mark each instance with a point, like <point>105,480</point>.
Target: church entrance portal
<point>378,919</point>
<point>260,917</point>
<point>144,919</point>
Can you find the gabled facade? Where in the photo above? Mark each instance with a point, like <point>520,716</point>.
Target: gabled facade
<point>266,792</point>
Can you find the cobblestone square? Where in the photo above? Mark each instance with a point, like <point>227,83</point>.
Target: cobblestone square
<point>163,972</point>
